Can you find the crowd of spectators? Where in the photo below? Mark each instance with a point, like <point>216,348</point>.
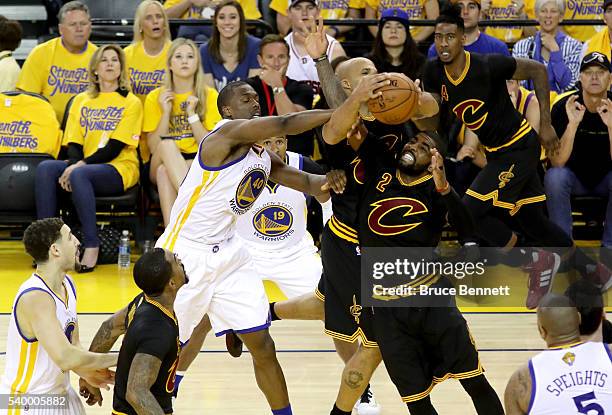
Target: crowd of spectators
<point>139,113</point>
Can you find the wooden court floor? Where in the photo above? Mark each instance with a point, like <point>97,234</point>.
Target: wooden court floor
<point>219,384</point>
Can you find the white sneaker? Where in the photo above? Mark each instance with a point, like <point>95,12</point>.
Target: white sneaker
<point>367,404</point>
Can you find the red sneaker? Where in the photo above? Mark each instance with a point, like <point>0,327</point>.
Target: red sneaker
<point>601,276</point>
<point>542,273</point>
<point>233,344</point>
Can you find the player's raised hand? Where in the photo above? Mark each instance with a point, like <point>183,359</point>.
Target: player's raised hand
<point>90,393</point>
<point>367,87</point>
<point>605,112</point>
<point>315,42</point>
<point>574,110</point>
<point>549,139</point>
<point>437,170</point>
<point>336,181</point>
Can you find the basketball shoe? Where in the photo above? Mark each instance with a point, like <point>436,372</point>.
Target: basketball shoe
<point>542,271</point>
<point>367,405</point>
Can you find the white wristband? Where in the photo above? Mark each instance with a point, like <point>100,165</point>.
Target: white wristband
<point>193,119</point>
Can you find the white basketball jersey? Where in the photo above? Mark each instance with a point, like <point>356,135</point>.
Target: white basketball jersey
<point>211,198</point>
<point>572,380</point>
<point>302,68</point>
<point>28,366</point>
<point>276,224</point>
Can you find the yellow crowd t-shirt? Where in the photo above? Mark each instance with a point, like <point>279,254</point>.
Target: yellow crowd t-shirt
<point>28,125</point>
<point>414,8</point>
<point>328,9</point>
<point>249,7</point>
<point>179,126</point>
<point>146,73</point>
<point>55,73</point>
<point>503,10</point>
<point>92,122</point>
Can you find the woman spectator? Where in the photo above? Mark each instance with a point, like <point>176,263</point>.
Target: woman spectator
<point>102,135</point>
<point>231,54</point>
<point>550,46</point>
<point>10,39</point>
<point>394,48</point>
<point>147,55</point>
<point>177,117</point>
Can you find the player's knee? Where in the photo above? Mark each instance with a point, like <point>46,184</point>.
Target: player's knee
<point>261,345</point>
<point>368,357</point>
<point>476,386</point>
<point>558,180</point>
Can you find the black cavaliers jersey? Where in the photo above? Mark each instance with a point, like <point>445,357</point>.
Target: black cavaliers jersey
<point>396,213</point>
<point>342,157</point>
<point>479,97</point>
<point>153,330</point>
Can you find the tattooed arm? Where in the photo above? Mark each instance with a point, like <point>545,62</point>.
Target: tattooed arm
<point>143,372</point>
<point>518,392</point>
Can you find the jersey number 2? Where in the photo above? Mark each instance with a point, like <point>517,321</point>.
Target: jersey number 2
<point>586,409</point>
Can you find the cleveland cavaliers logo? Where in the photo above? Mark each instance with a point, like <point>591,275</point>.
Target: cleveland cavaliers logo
<point>376,218</point>
<point>355,310</point>
<point>466,112</point>
<point>505,176</point>
<point>250,188</point>
<point>274,220</point>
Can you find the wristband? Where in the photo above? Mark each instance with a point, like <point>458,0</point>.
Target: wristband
<point>193,119</point>
<point>320,58</point>
<point>444,189</point>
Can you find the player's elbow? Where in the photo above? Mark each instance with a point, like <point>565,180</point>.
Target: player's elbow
<point>132,397</point>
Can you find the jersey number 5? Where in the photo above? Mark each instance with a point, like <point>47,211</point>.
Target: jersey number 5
<point>587,409</point>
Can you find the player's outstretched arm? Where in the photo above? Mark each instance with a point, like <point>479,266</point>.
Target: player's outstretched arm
<point>343,118</point>
<point>518,392</point>
<point>242,132</point>
<point>143,372</point>
<point>109,332</point>
<point>530,69</point>
<point>312,184</point>
<point>36,310</point>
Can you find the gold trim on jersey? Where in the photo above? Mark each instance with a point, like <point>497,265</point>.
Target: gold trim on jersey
<point>208,178</point>
<point>343,231</point>
<point>161,307</point>
<point>522,131</point>
<point>513,207</point>
<point>519,203</point>
<point>319,294</point>
<point>27,361</point>
<point>463,74</point>
<point>118,413</point>
<point>567,346</point>
<point>464,375</point>
<point>414,182</point>
<point>359,334</point>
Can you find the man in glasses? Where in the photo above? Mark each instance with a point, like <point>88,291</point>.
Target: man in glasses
<point>583,166</point>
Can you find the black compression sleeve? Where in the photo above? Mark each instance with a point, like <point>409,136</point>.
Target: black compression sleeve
<point>106,153</point>
<point>75,153</point>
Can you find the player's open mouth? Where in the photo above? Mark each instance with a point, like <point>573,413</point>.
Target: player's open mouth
<point>408,157</point>
<point>444,54</point>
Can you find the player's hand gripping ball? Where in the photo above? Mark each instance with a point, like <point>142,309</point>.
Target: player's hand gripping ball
<point>397,102</point>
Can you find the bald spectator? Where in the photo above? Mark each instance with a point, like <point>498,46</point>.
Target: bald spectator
<point>57,69</point>
<point>10,38</point>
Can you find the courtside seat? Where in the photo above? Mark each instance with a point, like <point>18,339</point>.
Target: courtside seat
<point>17,177</point>
<point>125,203</point>
<point>588,214</point>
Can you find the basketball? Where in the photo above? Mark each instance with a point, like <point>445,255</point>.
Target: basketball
<point>397,102</point>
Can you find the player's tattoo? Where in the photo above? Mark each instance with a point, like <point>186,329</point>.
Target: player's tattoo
<point>334,94</point>
<point>143,373</point>
<point>353,379</point>
<point>524,388</point>
<point>109,332</point>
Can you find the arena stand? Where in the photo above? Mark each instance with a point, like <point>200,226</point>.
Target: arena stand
<point>137,208</point>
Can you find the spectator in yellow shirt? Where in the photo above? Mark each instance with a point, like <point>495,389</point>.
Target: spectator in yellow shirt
<point>57,69</point>
<point>508,10</point>
<point>102,135</point>
<point>602,40</point>
<point>146,56</point>
<point>178,116</point>
<point>10,38</point>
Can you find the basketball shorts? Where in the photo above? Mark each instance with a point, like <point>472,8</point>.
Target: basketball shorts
<point>345,318</point>
<point>422,347</point>
<point>510,178</point>
<point>295,275</point>
<point>222,284</point>
<point>71,406</point>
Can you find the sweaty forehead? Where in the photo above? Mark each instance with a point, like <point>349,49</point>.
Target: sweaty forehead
<point>243,90</point>
<point>446,28</point>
